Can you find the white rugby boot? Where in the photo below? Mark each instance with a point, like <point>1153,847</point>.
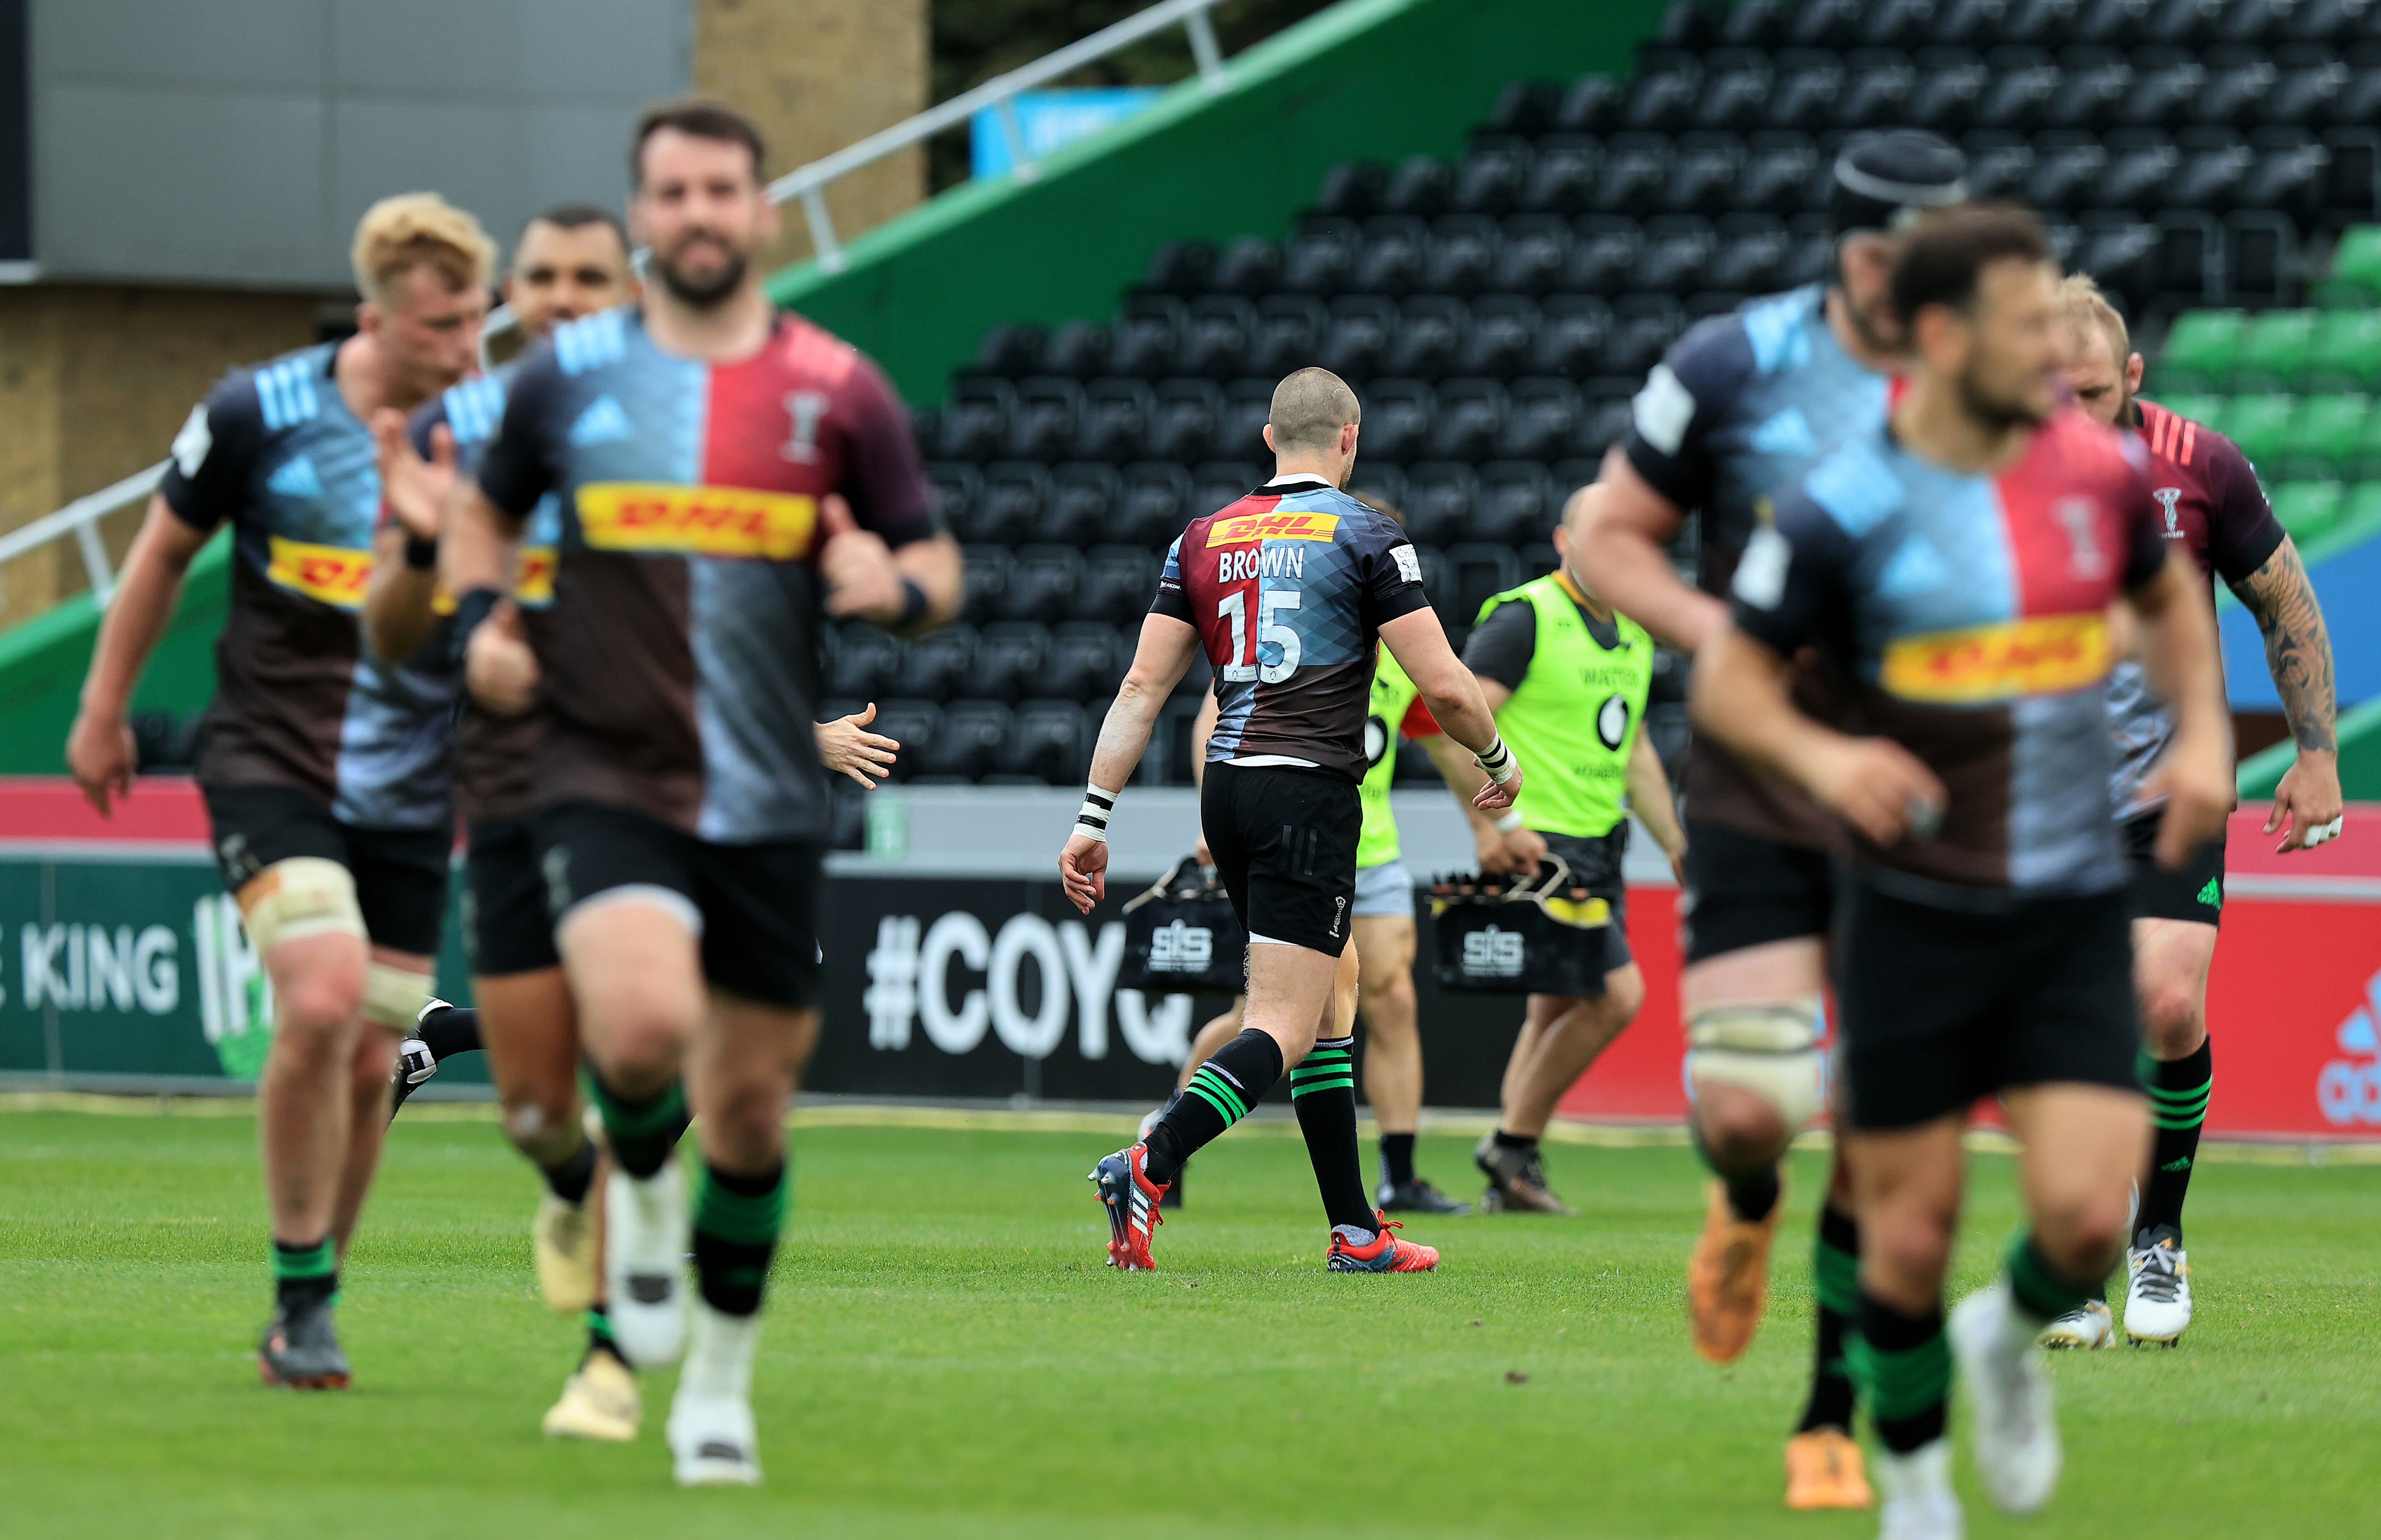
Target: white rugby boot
<point>1919,1502</point>
<point>2158,1287</point>
<point>645,1239</point>
<point>2016,1438</point>
<point>2089,1325</point>
<point>711,1433</point>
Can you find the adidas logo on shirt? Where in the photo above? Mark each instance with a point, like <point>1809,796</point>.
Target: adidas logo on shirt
<point>296,479</point>
<point>604,422</point>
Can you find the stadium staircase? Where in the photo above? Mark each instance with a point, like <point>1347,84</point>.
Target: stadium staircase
<point>1494,262</point>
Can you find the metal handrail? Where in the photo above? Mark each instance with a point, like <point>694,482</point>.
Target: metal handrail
<point>809,183</point>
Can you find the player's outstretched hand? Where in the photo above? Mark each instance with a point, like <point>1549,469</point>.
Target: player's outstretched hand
<point>1084,868</point>
<point>861,576</point>
<point>2307,802</point>
<point>1496,796</point>
<point>498,666</point>
<point>2194,780</point>
<point>1879,788</point>
<point>416,489</point>
<point>101,757</point>
<point>847,748</point>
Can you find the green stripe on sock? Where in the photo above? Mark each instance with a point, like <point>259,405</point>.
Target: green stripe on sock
<point>1836,1272</point>
<point>1901,1384</point>
<point>1227,1108</point>
<point>748,1218</point>
<point>316,1262</point>
<point>1344,1082</point>
<point>2039,1288</point>
<point>1311,1070</point>
<point>1236,1107</point>
<point>638,1122</point>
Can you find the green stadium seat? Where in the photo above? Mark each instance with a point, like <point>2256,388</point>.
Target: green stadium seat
<point>2326,436</point>
<point>2259,425</point>
<point>2198,408</point>
<point>2346,353</point>
<point>2199,350</point>
<point>2359,508</point>
<point>2274,352</point>
<point>2355,279</point>
<point>2309,509</point>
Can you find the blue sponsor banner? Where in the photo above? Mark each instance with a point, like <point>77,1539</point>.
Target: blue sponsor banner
<point>1050,121</point>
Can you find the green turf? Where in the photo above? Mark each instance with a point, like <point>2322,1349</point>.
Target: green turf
<point>945,1355</point>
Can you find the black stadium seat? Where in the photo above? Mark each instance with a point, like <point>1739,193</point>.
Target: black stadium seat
<point>1182,422</point>
<point>1010,351</point>
<point>1970,23</point>
<point>1531,254</point>
<point>1419,187</point>
<point>1390,261</point>
<point>1804,95</point>
<point>1899,24</point>
<point>1517,502</point>
<point>1116,584</point>
<point>1082,662</point>
<point>967,742</point>
<point>914,725</point>
<point>1999,161</point>
<point>2066,169</point>
<point>1438,501</point>
<point>1603,255</point>
<point>1215,336</point>
<point>1570,344</point>
<point>1643,327</point>
<point>1009,662</point>
<point>1042,425</point>
<point>1950,84</point>
<point>1497,344</point>
<point>1634,176</point>
<point>1045,740</point>
<point>1016,496</point>
<point>1321,259</point>
<point>863,663</point>
<point>1703,174</point>
<point>1757,24</point>
<point>1424,341</point>
<point>1181,267</point>
<point>1662,96</point>
<point>1084,498</point>
<point>2142,164</point>
<point>1156,503</point>
<point>975,419</point>
<point>1078,349</point>
<point>1562,177</point>
<point>1877,86</point>
<point>1041,582</point>
<point>1141,343</point>
<point>2166,82</point>
<point>1748,254</point>
<point>1114,423</point>
<point>1470,416</point>
<point>2233,91</point>
<point>1736,88</point>
<point>1397,414</point>
<point>1542,415</point>
<point>1461,255</point>
<point>957,487</point>
<point>1676,250</point>
<point>934,667</point>
<point>1591,105</point>
<point>1826,23</point>
<point>2093,89</point>
<point>1240,427</point>
<point>1490,181</point>
<point>986,580</point>
<point>1289,334</point>
<point>1778,170</point>
<point>2017,95</point>
<point>1526,108</point>
<point>1352,188</point>
<point>1358,336</point>
<point>1250,266</point>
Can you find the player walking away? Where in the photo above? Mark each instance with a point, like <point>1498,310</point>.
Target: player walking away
<point>571,262</point>
<point>725,476</point>
<point>1567,678</point>
<point>324,765</point>
<point>1740,405</point>
<point>2211,509</point>
<point>1959,565</point>
<point>1289,588</point>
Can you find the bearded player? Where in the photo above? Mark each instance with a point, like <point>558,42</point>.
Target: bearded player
<point>2213,512</point>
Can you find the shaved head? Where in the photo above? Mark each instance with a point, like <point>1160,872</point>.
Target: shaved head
<point>1308,410</point>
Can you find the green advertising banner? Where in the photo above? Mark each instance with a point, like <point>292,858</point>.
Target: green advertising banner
<point>135,965</point>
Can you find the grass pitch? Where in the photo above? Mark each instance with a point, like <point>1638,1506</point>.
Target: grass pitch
<point>945,1355</point>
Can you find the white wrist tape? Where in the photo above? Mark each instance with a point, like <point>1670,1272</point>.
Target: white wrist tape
<point>1497,760</point>
<point>1510,822</point>
<point>1093,818</point>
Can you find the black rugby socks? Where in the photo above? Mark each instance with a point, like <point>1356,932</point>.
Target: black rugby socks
<point>1219,1095</point>
<point>305,1269</point>
<point>1322,1090</point>
<point>642,1133</point>
<point>1903,1365</point>
<point>736,1218</point>
<point>2178,1088</point>
<point>1834,1272</point>
<point>569,1178</point>
<point>448,1031</point>
<point>1397,1158</point>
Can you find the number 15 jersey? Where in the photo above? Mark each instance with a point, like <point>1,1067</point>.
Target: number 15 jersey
<point>1288,587</point>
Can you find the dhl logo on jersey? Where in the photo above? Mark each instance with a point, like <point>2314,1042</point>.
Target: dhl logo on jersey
<point>1273,526</point>
<point>333,575</point>
<point>662,518</point>
<point>533,581</point>
<point>2046,655</point>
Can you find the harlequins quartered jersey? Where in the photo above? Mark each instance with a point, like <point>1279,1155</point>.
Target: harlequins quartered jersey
<point>495,757</point>
<point>1288,587</point>
<point>2211,508</point>
<point>680,653</point>
<point>298,699</point>
<point>1972,613</point>
<point>1737,409</point>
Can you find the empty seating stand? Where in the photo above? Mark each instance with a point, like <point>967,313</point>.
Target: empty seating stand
<point>1496,309</point>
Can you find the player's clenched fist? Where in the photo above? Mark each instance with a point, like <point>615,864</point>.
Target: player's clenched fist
<point>498,666</point>
<point>1083,869</point>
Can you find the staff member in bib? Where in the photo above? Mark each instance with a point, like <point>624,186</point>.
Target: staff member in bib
<point>1567,677</point>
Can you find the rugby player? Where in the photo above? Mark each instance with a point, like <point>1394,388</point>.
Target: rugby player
<point>1741,405</point>
<point>1960,564</point>
<point>323,765</point>
<point>724,477</point>
<point>1567,677</point>
<point>2213,509</point>
<point>1289,588</point>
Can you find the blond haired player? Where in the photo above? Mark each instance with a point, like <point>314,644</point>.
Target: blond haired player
<point>324,768</point>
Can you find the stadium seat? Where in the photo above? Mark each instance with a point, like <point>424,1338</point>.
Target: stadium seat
<point>1827,23</point>
<point>1182,267</point>
<point>1383,483</point>
<point>1540,416</point>
<point>974,423</point>
<point>1084,500</point>
<point>1216,483</point>
<point>1756,24</point>
<point>2359,510</point>
<point>1078,349</point>
<point>966,743</point>
<point>986,579</point>
<point>2124,255</point>
<point>2184,23</point>
<point>1634,176</point>
<point>2274,351</point>
<point>2093,84</point>
<point>2326,436</point>
<point>2259,424</point>
<point>1461,256</point>
<point>1603,255</point>
<point>1141,343</point>
<point>1562,178</point>
<point>1734,89</point>
<point>1010,660</point>
<point>1351,190</point>
<point>1516,501</point>
<point>1045,740</point>
<point>2232,92</point>
<point>1397,414</point>
<point>2066,171</point>
<point>1249,267</point>
<point>1083,662</point>
<point>1215,336</point>
<point>1116,584</point>
<point>1156,503</point>
<point>1999,161</point>
<point>1010,352</point>
<point>1423,340</point>
<point>2345,354</point>
<point>1950,83</point>
<point>957,487</point>
<point>1676,250</point>
<point>934,667</point>
<point>1603,422</point>
<point>2166,81</point>
<point>913,724</point>
<point>1897,24</point>
<point>1290,328</point>
<point>1115,421</point>
<point>1390,261</point>
<point>1702,174</point>
<point>1042,424</point>
<point>1476,573</point>
<point>2142,163</point>
<point>2018,96</point>
<point>2355,278</point>
<point>1876,92</point>
<point>1182,422</point>
<point>2201,349</point>
<point>2214,168</point>
<point>1470,418</point>
<point>1439,496</point>
<point>863,663</point>
<point>1525,108</point>
<point>1663,93</point>
<point>1803,95</point>
<point>1419,187</point>
<point>1321,259</point>
<point>1571,343</point>
<point>1497,344</point>
<point>1042,583</point>
<point>1490,180</point>
<point>2308,510</point>
<point>2192,404</point>
<point>1361,326</point>
<point>1016,501</point>
<point>1643,327</point>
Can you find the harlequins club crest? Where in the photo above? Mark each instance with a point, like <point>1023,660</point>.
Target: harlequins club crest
<point>2167,497</point>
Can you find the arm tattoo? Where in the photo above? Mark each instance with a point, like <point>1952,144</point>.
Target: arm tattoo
<point>2298,648</point>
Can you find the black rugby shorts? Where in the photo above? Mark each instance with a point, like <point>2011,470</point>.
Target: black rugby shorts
<point>755,907</point>
<point>1284,840</point>
<point>1940,1007</point>
<point>2195,891</point>
<point>401,874</point>
<point>1745,891</point>
<point>506,927</point>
